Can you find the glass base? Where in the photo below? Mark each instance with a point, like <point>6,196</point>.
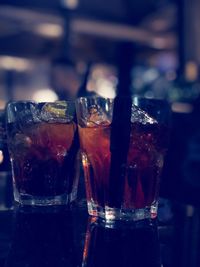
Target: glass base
<point>29,200</point>
<point>109,214</point>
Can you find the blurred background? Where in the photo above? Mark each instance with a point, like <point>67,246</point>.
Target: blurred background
<point>48,47</point>
<point>59,49</point>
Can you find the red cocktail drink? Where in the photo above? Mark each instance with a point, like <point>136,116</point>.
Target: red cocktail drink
<point>138,182</point>
<point>43,158</point>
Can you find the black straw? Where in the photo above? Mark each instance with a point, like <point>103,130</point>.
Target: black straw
<point>83,88</point>
<point>120,129</point>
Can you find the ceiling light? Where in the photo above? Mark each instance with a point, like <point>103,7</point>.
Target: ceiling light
<point>71,4</point>
<point>49,30</point>
<point>14,63</point>
<point>45,95</point>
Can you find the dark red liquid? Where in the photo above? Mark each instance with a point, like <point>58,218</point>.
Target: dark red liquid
<point>141,172</point>
<point>42,158</point>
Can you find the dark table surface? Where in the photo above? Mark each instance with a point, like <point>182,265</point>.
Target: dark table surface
<point>65,237</point>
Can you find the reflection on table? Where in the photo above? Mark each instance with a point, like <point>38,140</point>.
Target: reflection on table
<point>136,244</point>
<point>43,239</point>
<point>68,237</point>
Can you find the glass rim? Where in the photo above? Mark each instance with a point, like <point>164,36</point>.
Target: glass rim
<point>37,102</point>
<point>156,99</point>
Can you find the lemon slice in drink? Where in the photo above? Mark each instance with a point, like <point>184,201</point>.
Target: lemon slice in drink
<point>57,109</point>
<point>56,112</point>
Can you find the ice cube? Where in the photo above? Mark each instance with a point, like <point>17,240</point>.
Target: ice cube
<point>97,117</point>
<point>56,112</point>
<point>35,111</point>
<point>27,114</point>
<point>139,115</point>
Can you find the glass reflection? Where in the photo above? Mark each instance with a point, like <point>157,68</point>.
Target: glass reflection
<point>121,246</point>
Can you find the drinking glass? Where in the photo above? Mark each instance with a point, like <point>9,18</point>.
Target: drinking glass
<point>43,143</point>
<point>6,192</point>
<point>123,143</point>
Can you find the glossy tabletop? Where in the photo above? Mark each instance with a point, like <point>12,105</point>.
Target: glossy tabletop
<point>65,237</point>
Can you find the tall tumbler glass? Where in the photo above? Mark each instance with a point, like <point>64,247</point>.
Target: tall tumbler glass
<point>43,143</point>
<point>123,143</point>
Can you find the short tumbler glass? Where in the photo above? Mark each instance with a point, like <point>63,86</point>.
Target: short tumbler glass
<point>123,143</point>
<point>42,144</point>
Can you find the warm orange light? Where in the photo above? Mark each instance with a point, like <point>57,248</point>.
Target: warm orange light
<point>49,30</point>
<point>15,63</point>
<point>45,95</point>
<point>1,157</point>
